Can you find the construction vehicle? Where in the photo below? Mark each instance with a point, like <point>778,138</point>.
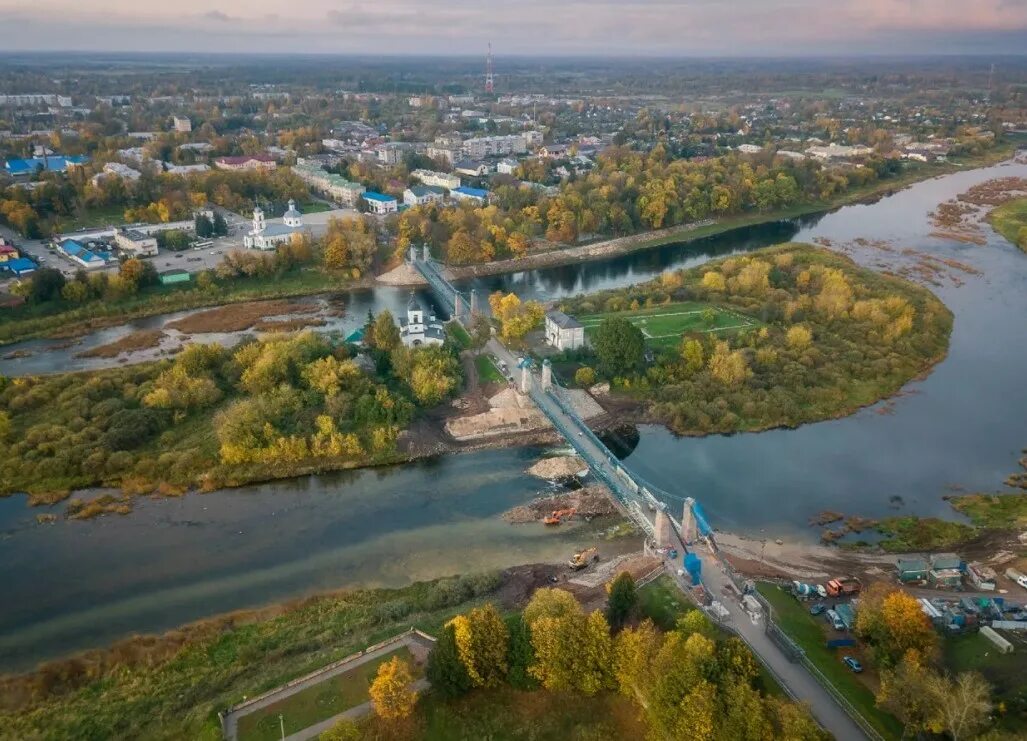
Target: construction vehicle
<point>558,515</point>
<point>844,586</point>
<point>583,558</point>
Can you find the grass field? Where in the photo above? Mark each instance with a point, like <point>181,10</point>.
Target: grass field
<point>662,602</point>
<point>487,370</point>
<point>506,714</point>
<point>1010,220</point>
<point>664,325</point>
<point>811,635</point>
<point>317,703</point>
<point>1004,671</point>
<point>458,334</point>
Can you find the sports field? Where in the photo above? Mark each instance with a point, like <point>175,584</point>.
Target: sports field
<point>664,325</point>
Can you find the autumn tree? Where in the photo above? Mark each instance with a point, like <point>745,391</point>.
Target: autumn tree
<point>481,639</point>
<point>891,621</point>
<point>619,347</point>
<point>349,244</point>
<point>392,692</point>
<point>481,331</point>
<point>550,602</point>
<point>962,705</point>
<point>434,374</point>
<point>446,670</point>
<point>622,598</point>
<point>517,318</point>
<point>905,692</point>
<point>584,376</point>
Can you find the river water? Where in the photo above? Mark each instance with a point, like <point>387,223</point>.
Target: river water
<point>71,585</point>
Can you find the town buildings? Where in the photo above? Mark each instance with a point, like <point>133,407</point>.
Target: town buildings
<point>475,195</point>
<point>328,184</point>
<point>420,195</point>
<point>136,243</point>
<point>379,203</point>
<point>182,124</point>
<point>838,151</point>
<point>440,179</point>
<point>264,236</point>
<point>51,163</point>
<point>247,162</point>
<point>564,332</point>
<point>79,253</point>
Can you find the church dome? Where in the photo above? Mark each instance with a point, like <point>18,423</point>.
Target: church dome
<point>292,216</point>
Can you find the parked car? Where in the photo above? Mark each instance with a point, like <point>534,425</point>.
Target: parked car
<point>817,609</point>
<point>852,664</point>
<point>835,619</point>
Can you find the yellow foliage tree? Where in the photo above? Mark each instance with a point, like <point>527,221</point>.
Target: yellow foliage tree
<point>391,691</point>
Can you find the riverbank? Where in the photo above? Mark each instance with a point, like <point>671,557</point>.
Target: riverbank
<point>556,256</point>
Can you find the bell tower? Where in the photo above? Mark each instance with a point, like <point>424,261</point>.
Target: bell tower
<point>259,224</point>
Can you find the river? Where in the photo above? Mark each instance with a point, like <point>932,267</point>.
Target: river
<point>71,585</point>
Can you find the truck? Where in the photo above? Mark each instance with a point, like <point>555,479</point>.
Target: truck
<point>1018,576</point>
<point>844,586</point>
<point>581,559</point>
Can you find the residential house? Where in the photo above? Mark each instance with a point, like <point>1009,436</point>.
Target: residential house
<point>119,170</point>
<point>329,184</point>
<point>471,168</point>
<point>749,149</point>
<point>379,203</point>
<point>448,153</point>
<point>564,332</point>
<point>475,195</point>
<point>838,151</point>
<point>420,195</point>
<point>553,151</point>
<point>182,124</point>
<point>441,179</point>
<point>507,166</point>
<point>392,153</point>
<point>247,162</point>
<point>186,169</point>
<point>8,251</point>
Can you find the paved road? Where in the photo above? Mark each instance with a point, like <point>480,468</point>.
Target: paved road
<point>795,678</point>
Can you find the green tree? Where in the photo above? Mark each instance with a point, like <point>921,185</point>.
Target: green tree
<point>204,226</point>
<point>219,226</point>
<point>384,333</point>
<point>548,602</point>
<point>344,730</point>
<point>584,376</point>
<point>446,671</point>
<point>619,347</point>
<point>521,655</point>
<point>435,373</point>
<point>621,600</point>
<point>45,285</point>
<point>481,331</point>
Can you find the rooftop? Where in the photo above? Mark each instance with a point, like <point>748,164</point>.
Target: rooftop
<point>473,192</point>
<point>371,195</point>
<point>563,321</point>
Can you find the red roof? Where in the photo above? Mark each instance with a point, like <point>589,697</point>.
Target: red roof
<point>243,159</point>
<point>6,249</point>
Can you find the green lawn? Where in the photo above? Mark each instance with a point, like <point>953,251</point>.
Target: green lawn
<point>319,702</point>
<point>487,370</point>
<point>811,635</point>
<point>662,602</point>
<point>92,218</point>
<point>664,325</point>
<point>1005,672</point>
<point>506,714</point>
<point>1010,220</point>
<point>459,334</point>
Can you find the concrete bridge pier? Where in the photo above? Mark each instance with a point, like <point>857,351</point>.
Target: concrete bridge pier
<point>425,254</point>
<point>474,302</point>
<point>664,532</point>
<point>457,306</point>
<point>525,380</point>
<point>547,375</point>
<point>688,521</point>
<point>413,253</point>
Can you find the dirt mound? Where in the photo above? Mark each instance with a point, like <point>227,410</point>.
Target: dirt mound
<point>558,467</point>
<point>592,501</point>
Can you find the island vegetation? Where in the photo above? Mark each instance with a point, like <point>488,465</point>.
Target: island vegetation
<point>813,336</point>
<point>283,405</point>
<point>1010,220</point>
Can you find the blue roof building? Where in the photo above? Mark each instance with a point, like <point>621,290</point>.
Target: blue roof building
<point>19,265</point>
<point>53,163</point>
<point>463,193</point>
<point>380,203</point>
<point>84,257</point>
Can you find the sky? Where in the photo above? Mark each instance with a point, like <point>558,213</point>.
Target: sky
<point>521,27</point>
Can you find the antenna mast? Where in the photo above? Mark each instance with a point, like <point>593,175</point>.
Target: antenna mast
<point>490,84</point>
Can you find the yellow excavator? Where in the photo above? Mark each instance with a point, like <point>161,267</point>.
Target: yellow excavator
<point>581,559</point>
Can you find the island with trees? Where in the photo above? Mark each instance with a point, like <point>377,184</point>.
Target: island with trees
<point>775,338</point>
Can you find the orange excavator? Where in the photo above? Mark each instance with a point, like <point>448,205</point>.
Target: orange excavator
<point>558,516</point>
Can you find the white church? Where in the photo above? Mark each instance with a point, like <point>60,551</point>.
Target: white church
<point>266,236</point>
<point>420,327</point>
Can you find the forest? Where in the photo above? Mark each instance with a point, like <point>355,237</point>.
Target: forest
<point>273,407</point>
<point>627,192</point>
<point>832,337</point>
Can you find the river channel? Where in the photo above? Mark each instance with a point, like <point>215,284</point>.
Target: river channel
<point>72,585</point>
